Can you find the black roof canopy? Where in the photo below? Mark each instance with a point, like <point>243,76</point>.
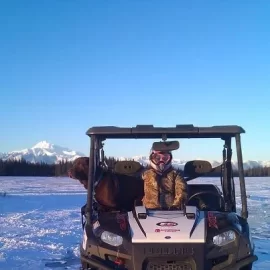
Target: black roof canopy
<point>151,132</point>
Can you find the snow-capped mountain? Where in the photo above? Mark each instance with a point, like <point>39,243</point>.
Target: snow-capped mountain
<point>43,152</point>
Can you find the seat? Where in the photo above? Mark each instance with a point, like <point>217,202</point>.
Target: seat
<point>128,167</point>
<point>212,203</point>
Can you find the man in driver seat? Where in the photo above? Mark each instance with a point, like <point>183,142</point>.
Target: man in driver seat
<point>164,187</point>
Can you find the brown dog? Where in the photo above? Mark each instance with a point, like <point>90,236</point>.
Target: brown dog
<point>114,191</point>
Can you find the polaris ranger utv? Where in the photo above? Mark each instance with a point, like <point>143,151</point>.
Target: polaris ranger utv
<point>206,233</point>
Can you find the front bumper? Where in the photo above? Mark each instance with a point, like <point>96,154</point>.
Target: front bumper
<point>146,258</point>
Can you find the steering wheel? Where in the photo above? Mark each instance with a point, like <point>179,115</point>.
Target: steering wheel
<point>207,192</point>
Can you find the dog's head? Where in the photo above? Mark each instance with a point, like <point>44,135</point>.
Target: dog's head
<point>79,170</point>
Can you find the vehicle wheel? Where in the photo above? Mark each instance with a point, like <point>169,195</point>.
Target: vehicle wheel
<point>247,267</point>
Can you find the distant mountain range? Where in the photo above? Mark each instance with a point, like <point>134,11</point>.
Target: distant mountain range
<point>43,152</point>
<point>51,153</point>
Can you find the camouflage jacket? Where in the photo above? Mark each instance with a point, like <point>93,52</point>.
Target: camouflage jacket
<point>169,189</point>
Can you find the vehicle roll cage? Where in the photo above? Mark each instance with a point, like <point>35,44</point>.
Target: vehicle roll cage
<point>99,134</point>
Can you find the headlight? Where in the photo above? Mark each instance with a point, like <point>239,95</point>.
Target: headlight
<point>224,238</point>
<point>111,239</point>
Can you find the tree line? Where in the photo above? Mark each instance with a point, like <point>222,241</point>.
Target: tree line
<point>25,168</point>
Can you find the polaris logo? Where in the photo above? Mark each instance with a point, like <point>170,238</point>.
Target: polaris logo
<point>167,224</point>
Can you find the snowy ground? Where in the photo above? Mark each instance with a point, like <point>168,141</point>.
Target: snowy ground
<point>40,226</point>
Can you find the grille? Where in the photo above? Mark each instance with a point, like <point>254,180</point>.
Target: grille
<point>169,265</point>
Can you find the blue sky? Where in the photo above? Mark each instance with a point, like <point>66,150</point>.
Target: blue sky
<point>68,65</point>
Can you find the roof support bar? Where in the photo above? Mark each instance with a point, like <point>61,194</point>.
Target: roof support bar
<point>241,176</point>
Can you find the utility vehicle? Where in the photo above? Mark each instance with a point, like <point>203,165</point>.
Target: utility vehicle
<point>206,233</point>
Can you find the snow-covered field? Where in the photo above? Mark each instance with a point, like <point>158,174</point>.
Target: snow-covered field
<point>40,225</point>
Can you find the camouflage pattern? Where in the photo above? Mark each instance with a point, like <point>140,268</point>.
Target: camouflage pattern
<point>166,190</point>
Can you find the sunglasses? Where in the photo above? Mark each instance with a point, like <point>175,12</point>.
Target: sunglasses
<point>157,157</point>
